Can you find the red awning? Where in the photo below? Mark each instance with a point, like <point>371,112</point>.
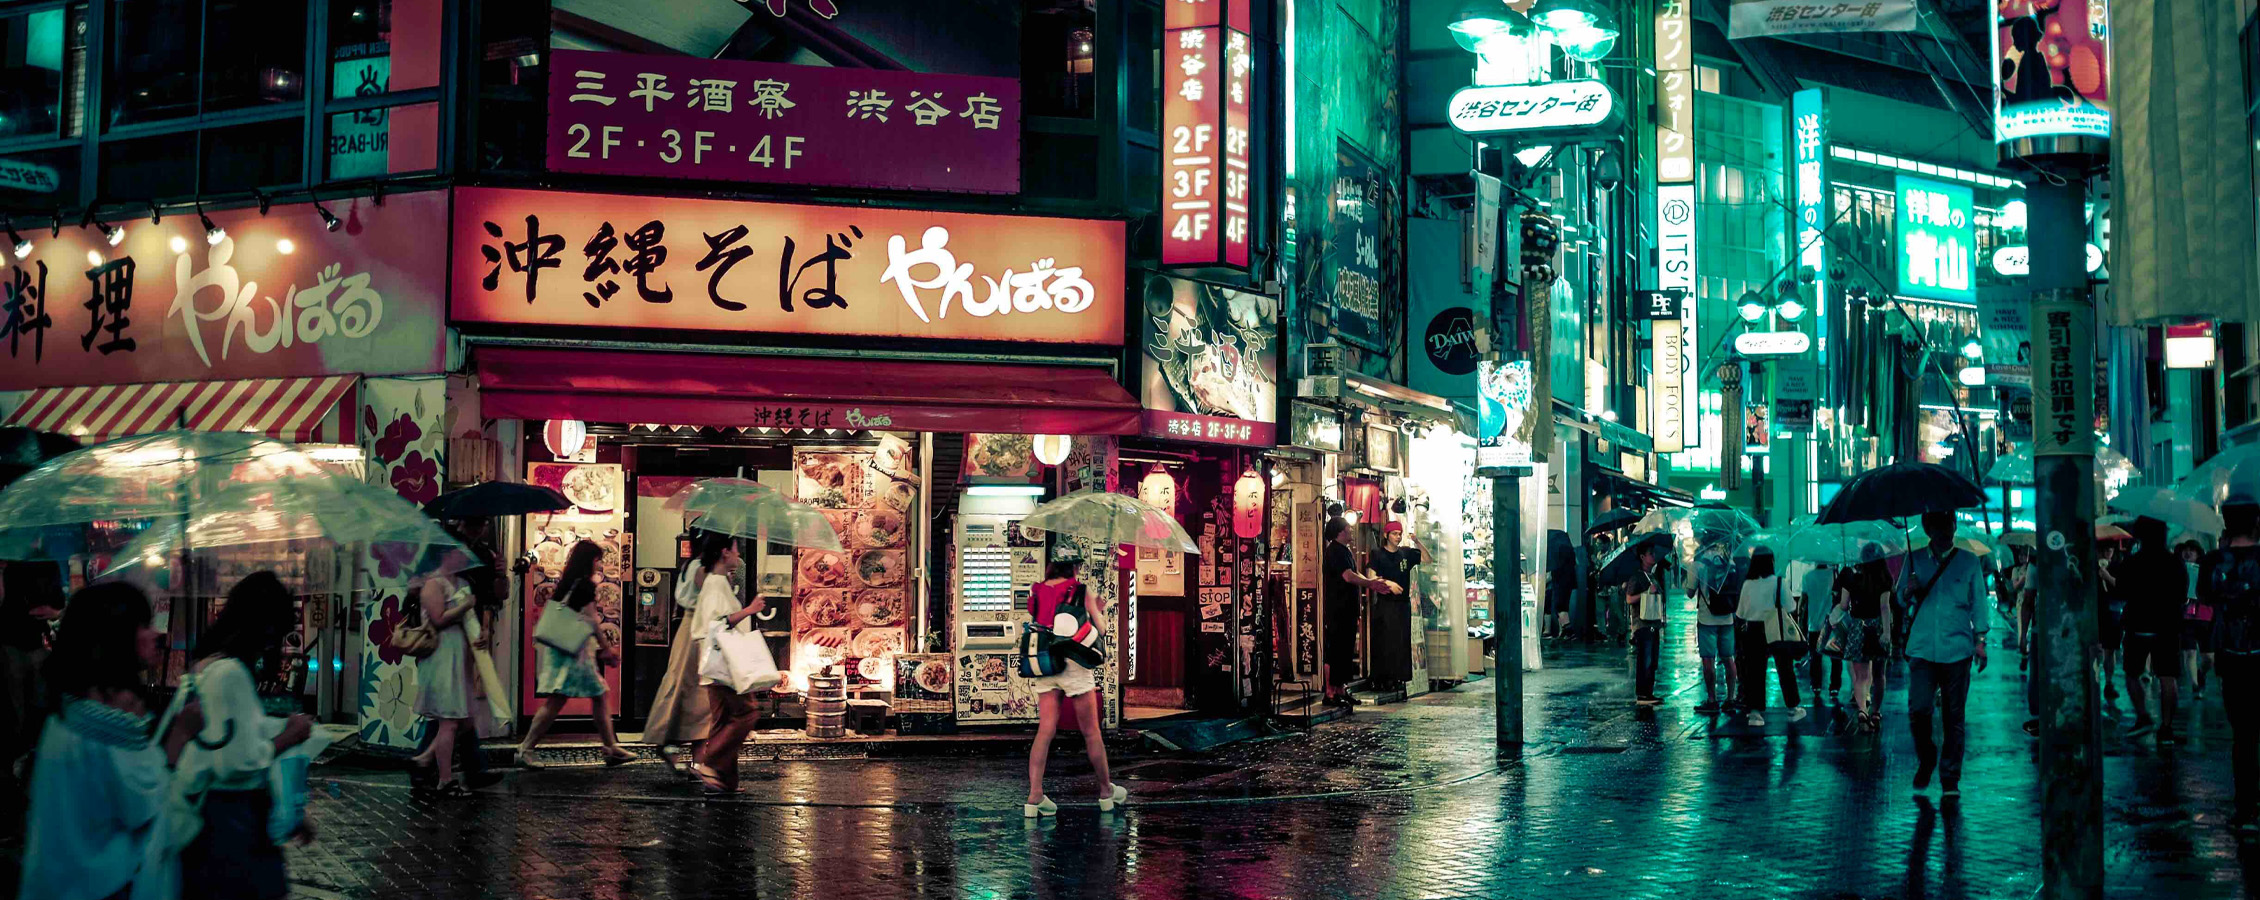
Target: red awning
<point>799,392</point>
<point>293,409</point>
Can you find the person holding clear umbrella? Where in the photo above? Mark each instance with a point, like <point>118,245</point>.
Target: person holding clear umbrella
<point>716,763</point>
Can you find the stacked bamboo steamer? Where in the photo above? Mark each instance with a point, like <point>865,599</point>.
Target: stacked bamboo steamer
<point>827,705</point>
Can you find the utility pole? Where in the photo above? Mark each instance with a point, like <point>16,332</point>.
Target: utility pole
<point>2064,358</point>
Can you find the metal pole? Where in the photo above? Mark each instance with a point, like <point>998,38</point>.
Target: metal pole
<point>1506,605</point>
<point>2070,756</point>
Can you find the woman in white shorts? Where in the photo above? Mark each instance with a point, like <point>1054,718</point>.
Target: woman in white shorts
<point>1073,687</point>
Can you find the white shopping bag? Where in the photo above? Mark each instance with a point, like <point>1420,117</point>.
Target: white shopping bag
<point>739,659</point>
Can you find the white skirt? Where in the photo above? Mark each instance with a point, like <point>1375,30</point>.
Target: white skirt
<point>1073,679</point>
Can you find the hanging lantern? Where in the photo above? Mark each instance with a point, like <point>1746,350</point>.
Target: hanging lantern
<point>1247,505</point>
<point>1159,489</point>
<point>1052,449</point>
<point>564,437</point>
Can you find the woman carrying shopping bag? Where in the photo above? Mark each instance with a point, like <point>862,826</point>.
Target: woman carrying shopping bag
<point>570,655</point>
<point>716,762</point>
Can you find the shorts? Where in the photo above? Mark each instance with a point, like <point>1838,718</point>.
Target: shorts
<point>2161,651</point>
<point>1073,680</point>
<point>2197,636</point>
<point>1714,641</point>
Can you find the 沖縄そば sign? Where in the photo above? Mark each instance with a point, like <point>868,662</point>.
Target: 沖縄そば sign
<point>525,257</point>
<point>278,295</point>
<point>688,117</point>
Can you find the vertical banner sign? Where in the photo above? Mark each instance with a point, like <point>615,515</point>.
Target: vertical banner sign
<point>2051,76</point>
<point>1810,155</point>
<point>1541,240</point>
<point>1675,94</point>
<point>1796,387</point>
<point>1358,198</point>
<point>1730,420</point>
<point>1675,271</point>
<point>1502,401</point>
<point>1937,240</point>
<point>2064,389</point>
<point>1666,351</point>
<point>2006,334</point>
<point>1486,242</point>
<point>1205,121</point>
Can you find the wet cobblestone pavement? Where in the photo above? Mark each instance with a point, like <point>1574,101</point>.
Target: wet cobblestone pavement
<point>1396,801</point>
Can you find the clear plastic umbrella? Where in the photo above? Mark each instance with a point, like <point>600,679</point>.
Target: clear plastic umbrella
<point>2233,470</point>
<point>303,515</point>
<point>745,508</point>
<point>2113,471</point>
<point>1701,527</point>
<point>1096,515</point>
<point>2175,510</point>
<point>167,476</point>
<point>1843,544</point>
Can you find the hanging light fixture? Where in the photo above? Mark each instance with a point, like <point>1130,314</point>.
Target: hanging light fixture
<point>1158,488</point>
<point>1247,504</point>
<point>1584,29</point>
<point>1052,449</point>
<point>564,437</point>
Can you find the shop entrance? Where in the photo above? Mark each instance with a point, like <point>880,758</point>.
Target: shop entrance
<point>1194,618</point>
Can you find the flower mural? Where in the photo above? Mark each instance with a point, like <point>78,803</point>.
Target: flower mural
<point>389,619</point>
<point>405,441</point>
<point>399,435</point>
<point>416,478</point>
<point>389,715</point>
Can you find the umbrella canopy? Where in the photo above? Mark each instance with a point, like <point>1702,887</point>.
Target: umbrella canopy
<point>2233,471</point>
<point>2112,533</point>
<point>496,498</point>
<point>1096,515</point>
<point>1901,490</point>
<point>2025,539</point>
<point>745,508</point>
<point>2112,469</point>
<point>2171,508</point>
<point>1621,565</point>
<point>1844,544</point>
<point>1611,521</point>
<point>335,512</point>
<point>167,476</point>
<point>1697,528</point>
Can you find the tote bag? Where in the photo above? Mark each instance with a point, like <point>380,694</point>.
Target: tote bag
<point>739,659</point>
<point>563,630</point>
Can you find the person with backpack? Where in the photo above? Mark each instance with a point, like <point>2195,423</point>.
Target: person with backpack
<point>1061,593</point>
<point>2231,586</point>
<point>1942,590</point>
<point>2152,626</point>
<point>1716,597</point>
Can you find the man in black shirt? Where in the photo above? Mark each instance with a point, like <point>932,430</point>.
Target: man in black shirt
<point>1392,607</point>
<point>1342,582</point>
<point>2151,626</point>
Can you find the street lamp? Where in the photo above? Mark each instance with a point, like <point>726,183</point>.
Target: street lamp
<point>1971,350</point>
<point>1791,309</point>
<point>1752,307</point>
<point>1584,29</point>
<point>1478,21</point>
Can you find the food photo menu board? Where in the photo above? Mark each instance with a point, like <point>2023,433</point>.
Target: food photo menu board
<point>598,493</point>
<point>851,606</point>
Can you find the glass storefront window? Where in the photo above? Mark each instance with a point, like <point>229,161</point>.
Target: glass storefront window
<point>383,46</point>
<point>266,154</point>
<point>41,53</point>
<point>1058,54</point>
<point>153,60</point>
<point>254,53</point>
<point>172,59</point>
<point>377,142</point>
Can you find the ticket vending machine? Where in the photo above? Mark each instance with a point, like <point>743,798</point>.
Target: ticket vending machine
<point>994,567</point>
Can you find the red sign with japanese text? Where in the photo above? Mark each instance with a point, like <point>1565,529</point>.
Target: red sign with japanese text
<point>527,257</point>
<point>1207,73</point>
<point>278,296</point>
<point>689,117</point>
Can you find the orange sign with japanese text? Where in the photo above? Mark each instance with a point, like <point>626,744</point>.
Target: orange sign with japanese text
<point>529,257</point>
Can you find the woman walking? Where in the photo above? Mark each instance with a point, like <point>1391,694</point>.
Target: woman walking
<point>1073,687</point>
<point>2197,624</point>
<point>101,778</point>
<point>580,674</point>
<point>444,679</point>
<point>716,762</point>
<point>1864,591</point>
<point>232,855</point>
<point>680,713</point>
<point>1763,619</point>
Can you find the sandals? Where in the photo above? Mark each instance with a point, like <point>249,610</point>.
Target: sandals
<point>452,789</point>
<point>615,756</point>
<point>1119,796</point>
<point>710,782</point>
<point>1034,810</point>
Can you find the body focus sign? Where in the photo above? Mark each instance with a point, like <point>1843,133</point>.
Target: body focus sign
<point>527,257</point>
<point>687,117</point>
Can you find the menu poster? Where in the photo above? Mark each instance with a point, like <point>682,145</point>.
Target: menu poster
<point>850,606</point>
<point>923,682</point>
<point>597,492</point>
<point>989,691</point>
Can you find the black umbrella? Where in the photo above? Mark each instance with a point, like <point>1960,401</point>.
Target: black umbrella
<point>496,498</point>
<point>1620,567</point>
<point>1611,521</point>
<point>1901,490</point>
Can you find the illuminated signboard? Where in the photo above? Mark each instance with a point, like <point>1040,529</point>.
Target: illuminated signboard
<point>1503,395</point>
<point>2051,74</point>
<point>1772,343</point>
<point>1809,153</point>
<point>1553,107</point>
<point>1675,270</point>
<point>1675,93</point>
<point>1937,240</point>
<point>1208,72</point>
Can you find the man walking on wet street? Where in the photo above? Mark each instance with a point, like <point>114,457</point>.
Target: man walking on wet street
<point>2229,581</point>
<point>2152,625</point>
<point>1942,591</point>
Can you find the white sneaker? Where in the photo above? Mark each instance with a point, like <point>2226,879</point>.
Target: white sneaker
<point>1796,714</point>
<point>1121,795</point>
<point>1046,808</point>
<point>1757,721</point>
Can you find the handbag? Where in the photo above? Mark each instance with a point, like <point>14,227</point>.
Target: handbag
<point>563,630</point>
<point>1794,638</point>
<point>418,640</point>
<point>738,658</point>
<point>1832,631</point>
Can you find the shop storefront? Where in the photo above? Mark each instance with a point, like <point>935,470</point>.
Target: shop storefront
<point>250,320</point>
<point>924,378</point>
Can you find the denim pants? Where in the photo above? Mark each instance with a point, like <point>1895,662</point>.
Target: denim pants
<point>1945,687</point>
<point>1647,653</point>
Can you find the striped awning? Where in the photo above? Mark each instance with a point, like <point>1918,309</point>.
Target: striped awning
<point>292,409</point>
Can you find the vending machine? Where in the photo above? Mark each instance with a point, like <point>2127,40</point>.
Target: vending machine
<point>994,567</point>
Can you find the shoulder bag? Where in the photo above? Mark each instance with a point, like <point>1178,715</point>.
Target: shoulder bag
<point>1795,640</point>
<point>561,628</point>
<point>1906,624</point>
<point>417,639</point>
